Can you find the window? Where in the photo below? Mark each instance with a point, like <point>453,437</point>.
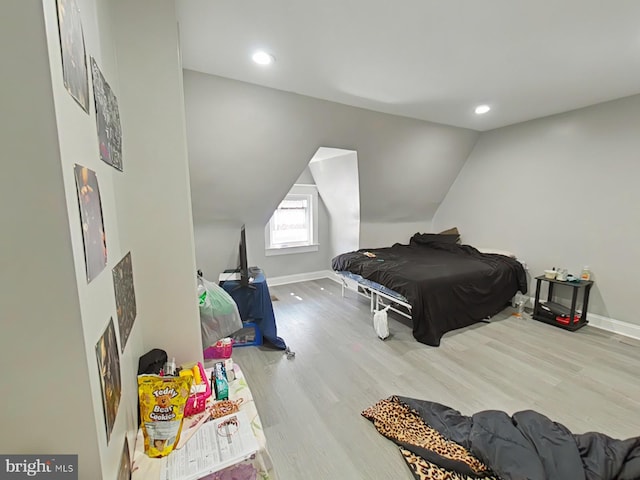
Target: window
<point>293,228</point>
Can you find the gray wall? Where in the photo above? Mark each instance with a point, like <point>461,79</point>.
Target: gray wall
<point>47,401</point>
<point>560,191</point>
<point>217,249</point>
<point>248,145</point>
<point>51,317</point>
<point>293,263</point>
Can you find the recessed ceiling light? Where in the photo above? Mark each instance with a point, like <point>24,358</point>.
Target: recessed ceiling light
<point>263,58</point>
<point>481,109</point>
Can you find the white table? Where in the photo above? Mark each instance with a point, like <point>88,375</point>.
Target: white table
<point>259,467</point>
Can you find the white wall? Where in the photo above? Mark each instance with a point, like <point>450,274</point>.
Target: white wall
<point>335,172</point>
<point>248,144</point>
<point>78,145</point>
<point>47,399</point>
<point>216,247</point>
<point>156,196</point>
<point>560,191</point>
<point>52,319</point>
<point>385,234</point>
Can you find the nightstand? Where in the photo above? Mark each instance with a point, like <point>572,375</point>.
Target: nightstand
<point>548,311</point>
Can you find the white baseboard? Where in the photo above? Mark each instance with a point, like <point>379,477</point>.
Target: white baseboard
<point>614,326</point>
<point>608,324</point>
<point>595,320</point>
<point>298,277</point>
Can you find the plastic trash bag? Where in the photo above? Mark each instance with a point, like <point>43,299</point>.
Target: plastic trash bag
<point>519,302</point>
<point>219,316</point>
<point>381,323</point>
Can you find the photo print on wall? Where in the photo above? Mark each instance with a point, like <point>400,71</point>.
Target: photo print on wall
<point>124,472</point>
<point>107,119</point>
<point>125,298</point>
<point>74,60</point>
<point>95,243</point>
<point>109,368</point>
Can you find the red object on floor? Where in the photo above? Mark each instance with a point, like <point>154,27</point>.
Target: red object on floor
<point>565,320</point>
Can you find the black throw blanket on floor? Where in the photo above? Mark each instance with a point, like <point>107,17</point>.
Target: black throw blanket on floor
<point>526,445</point>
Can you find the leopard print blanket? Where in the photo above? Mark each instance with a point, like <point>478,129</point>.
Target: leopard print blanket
<point>429,455</point>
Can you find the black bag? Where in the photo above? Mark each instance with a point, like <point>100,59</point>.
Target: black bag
<point>152,362</point>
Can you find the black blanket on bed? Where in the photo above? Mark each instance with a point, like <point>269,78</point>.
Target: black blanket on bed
<point>448,286</point>
<point>528,445</point>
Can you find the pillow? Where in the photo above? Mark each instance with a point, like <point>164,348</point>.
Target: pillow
<point>451,231</point>
<point>506,253</point>
<point>423,238</point>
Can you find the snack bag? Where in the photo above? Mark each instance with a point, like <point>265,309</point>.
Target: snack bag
<point>162,401</point>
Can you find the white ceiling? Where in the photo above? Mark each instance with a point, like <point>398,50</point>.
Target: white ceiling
<point>428,59</point>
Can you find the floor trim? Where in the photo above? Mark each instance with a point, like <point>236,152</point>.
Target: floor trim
<point>598,321</point>
<point>299,277</point>
<point>612,325</point>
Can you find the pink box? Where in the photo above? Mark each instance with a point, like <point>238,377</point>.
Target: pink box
<point>219,350</point>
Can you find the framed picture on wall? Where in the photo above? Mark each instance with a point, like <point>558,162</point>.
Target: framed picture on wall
<point>107,119</point>
<point>74,60</point>
<point>125,298</point>
<point>124,472</point>
<point>95,242</point>
<point>109,368</point>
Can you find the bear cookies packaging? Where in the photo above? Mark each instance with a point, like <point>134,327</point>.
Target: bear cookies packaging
<point>162,402</point>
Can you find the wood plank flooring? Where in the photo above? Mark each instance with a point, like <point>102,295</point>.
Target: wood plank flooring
<point>310,405</point>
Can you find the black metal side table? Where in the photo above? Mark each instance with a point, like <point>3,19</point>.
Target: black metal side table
<point>548,311</point>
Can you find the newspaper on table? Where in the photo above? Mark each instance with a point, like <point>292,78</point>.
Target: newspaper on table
<point>217,444</point>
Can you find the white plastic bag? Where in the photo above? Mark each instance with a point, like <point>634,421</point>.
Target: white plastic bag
<point>219,316</point>
<point>381,323</point>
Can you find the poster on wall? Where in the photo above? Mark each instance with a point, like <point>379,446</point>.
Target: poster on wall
<point>124,472</point>
<point>107,119</point>
<point>74,60</point>
<point>95,243</point>
<point>125,298</point>
<point>109,368</point>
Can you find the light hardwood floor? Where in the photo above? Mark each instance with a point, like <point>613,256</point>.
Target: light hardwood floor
<point>310,405</point>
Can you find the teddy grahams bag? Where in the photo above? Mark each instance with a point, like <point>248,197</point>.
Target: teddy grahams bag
<point>162,401</point>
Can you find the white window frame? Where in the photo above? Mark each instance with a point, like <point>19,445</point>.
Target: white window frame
<point>297,191</point>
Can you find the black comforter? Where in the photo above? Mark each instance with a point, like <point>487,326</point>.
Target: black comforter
<point>448,286</point>
<point>530,446</point>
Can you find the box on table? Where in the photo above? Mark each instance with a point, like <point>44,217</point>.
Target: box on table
<point>249,334</point>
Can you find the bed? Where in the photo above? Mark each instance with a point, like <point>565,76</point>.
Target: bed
<point>436,282</point>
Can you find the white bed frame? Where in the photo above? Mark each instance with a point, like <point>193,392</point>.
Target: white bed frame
<point>378,300</point>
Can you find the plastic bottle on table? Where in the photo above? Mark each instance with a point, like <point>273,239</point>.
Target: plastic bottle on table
<point>586,273</point>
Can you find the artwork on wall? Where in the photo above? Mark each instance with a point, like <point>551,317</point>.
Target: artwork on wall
<point>107,119</point>
<point>109,368</point>
<point>95,244</point>
<point>74,60</point>
<point>124,472</point>
<point>125,298</point>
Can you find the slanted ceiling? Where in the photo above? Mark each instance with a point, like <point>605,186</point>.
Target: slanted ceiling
<point>249,144</point>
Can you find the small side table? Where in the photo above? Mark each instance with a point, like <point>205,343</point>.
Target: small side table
<point>259,465</point>
<point>542,315</point>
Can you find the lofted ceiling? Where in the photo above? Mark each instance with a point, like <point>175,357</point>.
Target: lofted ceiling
<point>432,60</point>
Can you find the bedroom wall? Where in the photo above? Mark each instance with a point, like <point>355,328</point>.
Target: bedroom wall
<point>248,145</point>
<point>383,234</point>
<point>559,191</point>
<point>216,245</point>
<point>42,344</point>
<point>53,317</point>
<point>336,174</point>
